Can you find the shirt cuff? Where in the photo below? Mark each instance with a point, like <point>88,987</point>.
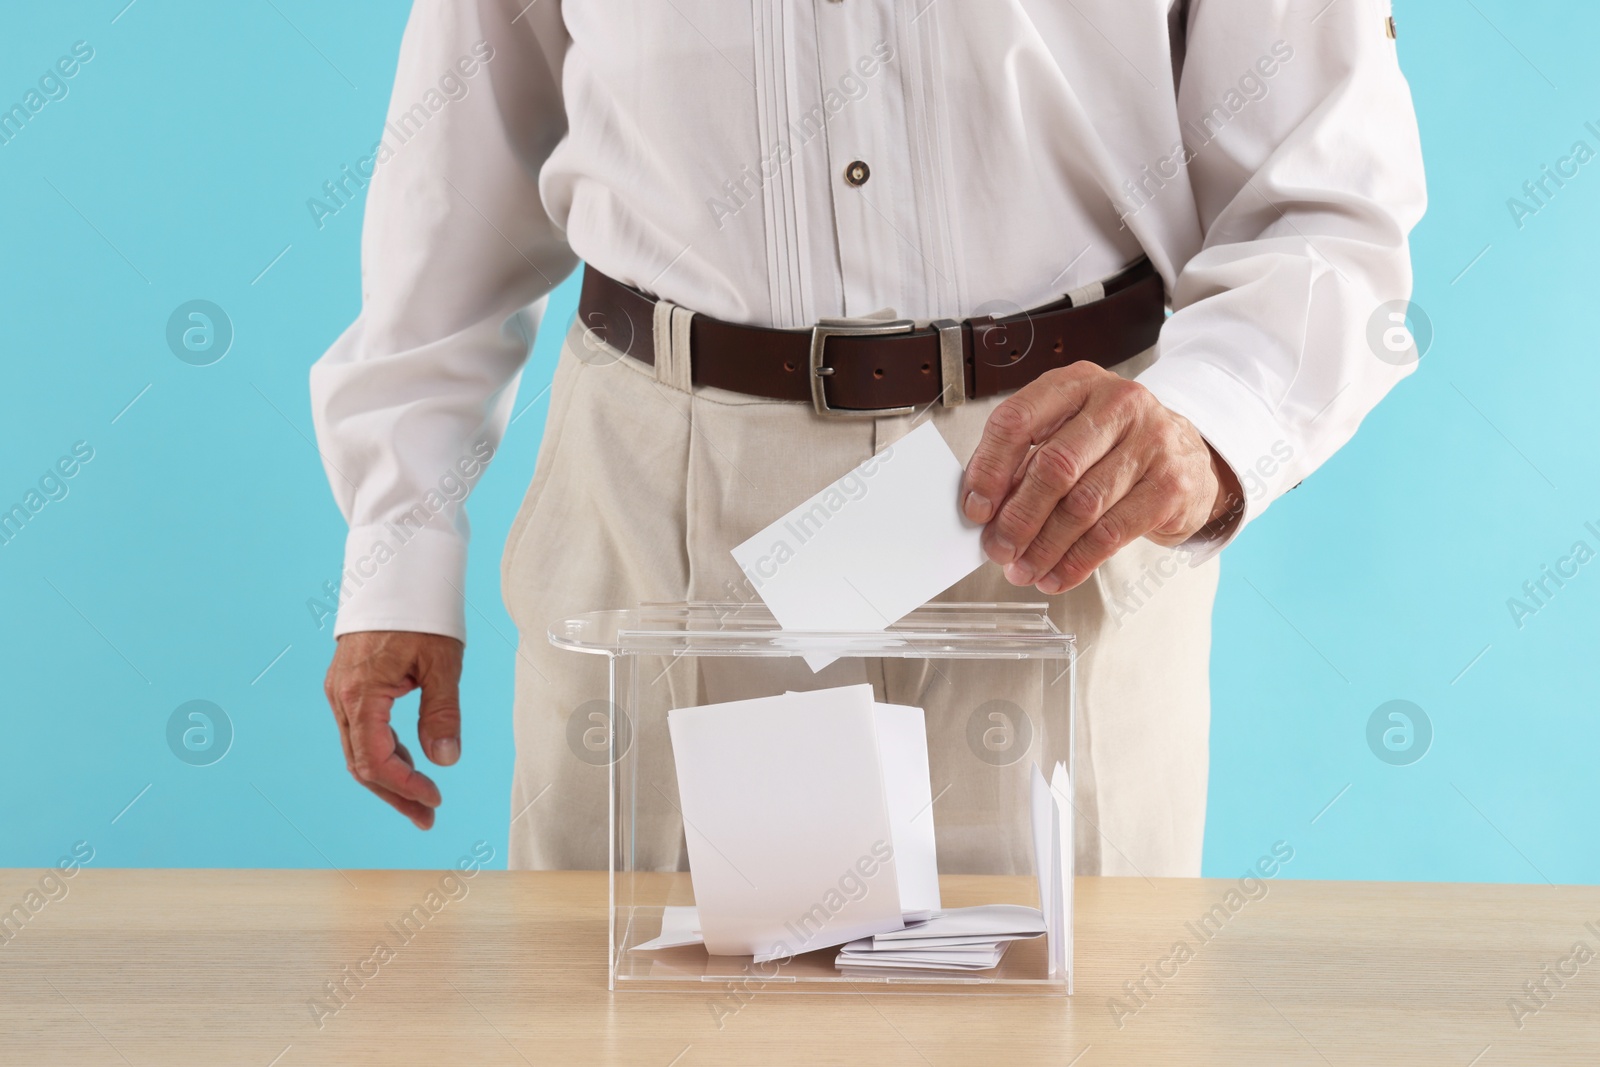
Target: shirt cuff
<point>1235,422</point>
<point>402,578</point>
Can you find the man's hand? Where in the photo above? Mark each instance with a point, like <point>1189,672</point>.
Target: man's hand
<point>1111,465</point>
<point>369,672</point>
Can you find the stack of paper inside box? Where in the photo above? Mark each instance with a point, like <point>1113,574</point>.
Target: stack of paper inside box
<point>960,939</point>
<point>809,819</point>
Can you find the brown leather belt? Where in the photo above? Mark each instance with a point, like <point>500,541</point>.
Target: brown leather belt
<point>892,367</point>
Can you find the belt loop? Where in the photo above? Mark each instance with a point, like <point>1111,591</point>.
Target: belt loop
<point>661,331</point>
<point>1088,294</point>
<point>671,334</point>
<point>952,362</point>
<point>682,365</point>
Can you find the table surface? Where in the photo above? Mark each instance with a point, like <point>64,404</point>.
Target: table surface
<point>215,968</point>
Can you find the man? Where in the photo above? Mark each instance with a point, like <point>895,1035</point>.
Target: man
<point>998,173</point>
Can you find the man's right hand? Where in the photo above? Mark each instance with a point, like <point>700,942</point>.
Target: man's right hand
<point>370,670</point>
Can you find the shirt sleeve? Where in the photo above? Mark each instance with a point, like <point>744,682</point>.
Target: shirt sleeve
<point>1303,155</point>
<point>457,257</point>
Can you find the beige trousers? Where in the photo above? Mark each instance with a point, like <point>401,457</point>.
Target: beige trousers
<point>640,491</point>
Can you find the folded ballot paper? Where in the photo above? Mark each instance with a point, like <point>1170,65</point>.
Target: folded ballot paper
<point>960,939</point>
<point>808,819</point>
<point>809,823</point>
<point>875,545</point>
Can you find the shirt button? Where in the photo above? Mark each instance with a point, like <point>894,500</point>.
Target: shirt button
<point>857,173</point>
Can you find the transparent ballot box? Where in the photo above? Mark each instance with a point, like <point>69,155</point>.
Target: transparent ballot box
<point>835,811</point>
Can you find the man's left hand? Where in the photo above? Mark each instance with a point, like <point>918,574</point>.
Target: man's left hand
<point>1080,462</point>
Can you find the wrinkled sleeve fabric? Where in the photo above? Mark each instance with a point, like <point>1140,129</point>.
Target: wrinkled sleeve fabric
<point>1306,197</point>
<point>457,257</point>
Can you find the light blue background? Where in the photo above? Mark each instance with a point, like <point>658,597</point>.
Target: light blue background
<point>180,563</point>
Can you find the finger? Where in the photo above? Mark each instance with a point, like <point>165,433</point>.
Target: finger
<point>1022,420</point>
<point>439,714</point>
<point>401,751</point>
<point>420,814</point>
<point>343,721</point>
<point>1056,467</point>
<point>1146,506</point>
<point>1096,493</point>
<point>376,759</point>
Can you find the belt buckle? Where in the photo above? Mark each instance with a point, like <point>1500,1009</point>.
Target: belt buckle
<point>819,339</point>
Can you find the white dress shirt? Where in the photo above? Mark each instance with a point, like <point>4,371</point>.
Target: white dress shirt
<point>1263,153</point>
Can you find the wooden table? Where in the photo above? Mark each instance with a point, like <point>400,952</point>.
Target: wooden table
<point>220,968</point>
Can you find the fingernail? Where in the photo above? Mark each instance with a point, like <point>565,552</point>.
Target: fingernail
<point>1003,551</point>
<point>1020,573</point>
<point>446,751</point>
<point>1050,585</point>
<point>977,507</point>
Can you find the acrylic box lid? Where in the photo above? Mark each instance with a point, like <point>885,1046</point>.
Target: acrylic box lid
<point>706,628</point>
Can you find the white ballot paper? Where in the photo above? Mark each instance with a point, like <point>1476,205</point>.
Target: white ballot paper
<point>903,755</point>
<point>680,925</point>
<point>786,821</point>
<point>873,546</point>
<point>976,958</point>
<point>986,921</point>
<point>959,939</point>
<point>1052,862</point>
